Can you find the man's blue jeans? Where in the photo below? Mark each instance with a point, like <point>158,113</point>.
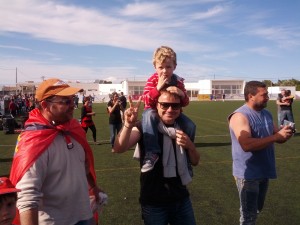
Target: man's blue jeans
<point>286,115</point>
<point>180,213</point>
<point>252,195</point>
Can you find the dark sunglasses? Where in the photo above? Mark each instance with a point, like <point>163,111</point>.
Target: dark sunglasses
<point>167,105</point>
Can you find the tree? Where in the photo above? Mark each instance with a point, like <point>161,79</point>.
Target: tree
<point>290,82</point>
<point>268,83</point>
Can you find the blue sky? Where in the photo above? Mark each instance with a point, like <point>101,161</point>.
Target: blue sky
<point>85,40</point>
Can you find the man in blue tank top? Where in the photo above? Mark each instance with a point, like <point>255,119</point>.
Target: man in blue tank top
<point>253,135</point>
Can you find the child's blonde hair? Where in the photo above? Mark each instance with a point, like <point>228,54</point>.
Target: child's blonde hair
<point>163,52</point>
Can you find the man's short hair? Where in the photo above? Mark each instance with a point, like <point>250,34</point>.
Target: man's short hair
<point>172,94</point>
<point>251,87</point>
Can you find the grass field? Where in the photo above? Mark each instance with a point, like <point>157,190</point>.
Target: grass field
<point>213,190</point>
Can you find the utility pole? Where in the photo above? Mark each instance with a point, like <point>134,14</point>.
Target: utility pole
<point>16,79</point>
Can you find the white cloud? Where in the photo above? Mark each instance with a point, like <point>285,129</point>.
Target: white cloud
<point>15,47</point>
<point>210,31</point>
<point>210,13</point>
<point>81,26</point>
<point>265,51</point>
<point>147,10</point>
<point>33,70</point>
<point>225,56</point>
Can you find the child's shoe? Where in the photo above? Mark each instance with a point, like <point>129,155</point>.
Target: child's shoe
<point>149,162</point>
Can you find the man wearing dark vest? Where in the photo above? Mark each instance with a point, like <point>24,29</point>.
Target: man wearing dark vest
<point>164,196</point>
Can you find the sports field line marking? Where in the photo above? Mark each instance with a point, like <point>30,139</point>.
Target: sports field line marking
<point>201,162</point>
<point>119,168</point>
<point>203,118</point>
<point>214,135</point>
<point>103,142</point>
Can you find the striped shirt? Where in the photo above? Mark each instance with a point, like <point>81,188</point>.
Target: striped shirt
<point>151,93</point>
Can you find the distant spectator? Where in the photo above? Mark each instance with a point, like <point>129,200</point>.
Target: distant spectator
<point>123,101</point>
<point>13,108</point>
<point>284,102</point>
<point>76,101</point>
<point>114,108</point>
<point>86,118</point>
<point>31,103</point>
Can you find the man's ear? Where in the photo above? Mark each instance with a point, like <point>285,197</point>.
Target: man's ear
<point>44,104</point>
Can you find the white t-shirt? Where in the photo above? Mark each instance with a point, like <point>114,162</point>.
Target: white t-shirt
<point>56,183</point>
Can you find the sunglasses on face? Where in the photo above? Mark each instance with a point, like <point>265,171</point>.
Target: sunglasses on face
<point>62,101</point>
<point>167,105</point>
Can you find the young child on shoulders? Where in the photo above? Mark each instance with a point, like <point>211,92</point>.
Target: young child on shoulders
<point>164,62</point>
<point>8,199</point>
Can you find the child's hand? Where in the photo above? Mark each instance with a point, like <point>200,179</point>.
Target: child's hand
<point>176,90</point>
<point>162,80</point>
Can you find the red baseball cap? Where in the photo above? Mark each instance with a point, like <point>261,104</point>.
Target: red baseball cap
<point>6,186</point>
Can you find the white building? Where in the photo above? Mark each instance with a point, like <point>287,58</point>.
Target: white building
<point>201,90</point>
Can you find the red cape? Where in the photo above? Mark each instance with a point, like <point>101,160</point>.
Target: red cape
<point>32,143</point>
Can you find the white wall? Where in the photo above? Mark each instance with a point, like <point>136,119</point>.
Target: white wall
<point>204,87</point>
<point>105,89</point>
<point>297,95</point>
<point>274,91</point>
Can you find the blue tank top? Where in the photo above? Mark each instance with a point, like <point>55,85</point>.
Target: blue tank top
<point>256,164</point>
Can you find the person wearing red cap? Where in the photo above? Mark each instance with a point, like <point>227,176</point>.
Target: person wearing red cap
<point>8,198</point>
<point>53,163</point>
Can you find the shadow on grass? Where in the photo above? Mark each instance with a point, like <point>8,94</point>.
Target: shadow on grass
<point>6,160</point>
<point>297,134</point>
<point>214,144</point>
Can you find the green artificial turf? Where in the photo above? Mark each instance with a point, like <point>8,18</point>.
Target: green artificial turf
<point>213,190</point>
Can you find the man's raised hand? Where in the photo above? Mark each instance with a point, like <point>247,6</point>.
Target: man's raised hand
<point>131,114</point>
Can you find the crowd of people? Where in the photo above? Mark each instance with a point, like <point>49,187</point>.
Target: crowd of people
<point>21,104</point>
<point>53,180</point>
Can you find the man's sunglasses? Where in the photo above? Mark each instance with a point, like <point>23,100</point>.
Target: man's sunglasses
<point>167,105</point>
<point>62,102</point>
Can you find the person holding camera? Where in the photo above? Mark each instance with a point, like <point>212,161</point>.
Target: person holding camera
<point>253,134</point>
<point>123,101</point>
<point>114,108</point>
